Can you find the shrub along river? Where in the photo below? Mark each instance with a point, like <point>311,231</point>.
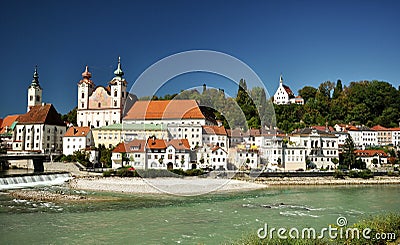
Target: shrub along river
<point>208,219</point>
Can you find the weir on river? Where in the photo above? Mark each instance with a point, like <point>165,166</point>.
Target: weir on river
<point>31,180</point>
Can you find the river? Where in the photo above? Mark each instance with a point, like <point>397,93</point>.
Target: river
<point>208,219</point>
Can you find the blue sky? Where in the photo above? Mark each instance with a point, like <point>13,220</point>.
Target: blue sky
<point>307,41</point>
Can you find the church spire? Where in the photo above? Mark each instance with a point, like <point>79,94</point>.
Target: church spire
<point>86,73</point>
<point>118,72</point>
<point>281,79</point>
<point>35,80</point>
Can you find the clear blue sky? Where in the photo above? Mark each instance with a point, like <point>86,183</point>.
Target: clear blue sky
<point>307,41</point>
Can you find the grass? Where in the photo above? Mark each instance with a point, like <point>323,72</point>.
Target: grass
<point>382,224</point>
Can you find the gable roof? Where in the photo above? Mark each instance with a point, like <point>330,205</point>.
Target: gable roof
<point>77,132</point>
<point>131,146</point>
<point>41,114</point>
<point>179,144</point>
<point>216,148</point>
<point>217,130</point>
<point>164,109</point>
<point>288,91</point>
<point>236,133</point>
<point>7,122</point>
<point>153,143</point>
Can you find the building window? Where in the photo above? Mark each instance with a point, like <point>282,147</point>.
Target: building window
<point>99,104</point>
<point>31,98</point>
<point>115,93</point>
<point>83,105</point>
<point>83,95</point>
<point>115,103</point>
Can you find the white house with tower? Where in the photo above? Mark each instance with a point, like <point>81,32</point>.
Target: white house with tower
<point>41,128</point>
<point>284,95</point>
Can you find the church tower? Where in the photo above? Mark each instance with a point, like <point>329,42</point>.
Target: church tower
<point>34,91</point>
<point>85,89</point>
<point>118,88</point>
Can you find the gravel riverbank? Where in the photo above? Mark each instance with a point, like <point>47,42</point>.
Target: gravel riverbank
<point>176,186</point>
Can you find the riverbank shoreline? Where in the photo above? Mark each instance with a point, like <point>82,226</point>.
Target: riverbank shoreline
<point>187,186</point>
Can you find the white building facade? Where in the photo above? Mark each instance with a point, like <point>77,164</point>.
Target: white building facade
<point>77,139</point>
<point>40,130</point>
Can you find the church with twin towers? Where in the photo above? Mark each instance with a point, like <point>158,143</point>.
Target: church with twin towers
<point>100,106</point>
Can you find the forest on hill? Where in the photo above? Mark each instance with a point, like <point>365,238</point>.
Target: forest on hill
<point>363,103</point>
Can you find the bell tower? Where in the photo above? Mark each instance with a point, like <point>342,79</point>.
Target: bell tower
<point>34,91</point>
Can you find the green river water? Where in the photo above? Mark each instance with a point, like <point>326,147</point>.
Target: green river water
<point>207,219</point>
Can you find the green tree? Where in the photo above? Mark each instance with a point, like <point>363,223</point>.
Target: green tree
<point>246,103</point>
<point>82,157</point>
<point>335,161</point>
<point>105,156</point>
<point>70,116</point>
<point>307,93</point>
<point>349,158</point>
<point>338,90</point>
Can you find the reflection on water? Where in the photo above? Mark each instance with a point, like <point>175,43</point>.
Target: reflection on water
<point>15,172</point>
<point>206,219</point>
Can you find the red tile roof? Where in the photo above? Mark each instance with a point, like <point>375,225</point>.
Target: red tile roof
<point>379,128</point>
<point>353,128</point>
<point>255,132</point>
<point>41,114</point>
<point>218,130</point>
<point>288,91</point>
<point>323,128</point>
<point>120,148</point>
<point>179,144</point>
<point>7,122</point>
<point>216,148</point>
<point>156,143</point>
<point>77,132</point>
<point>139,145</point>
<point>370,153</point>
<point>164,109</point>
<point>132,146</point>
